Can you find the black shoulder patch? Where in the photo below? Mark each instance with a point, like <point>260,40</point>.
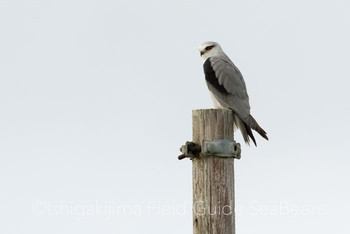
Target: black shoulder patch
<point>211,77</point>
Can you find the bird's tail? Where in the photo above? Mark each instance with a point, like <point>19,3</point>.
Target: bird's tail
<point>246,127</point>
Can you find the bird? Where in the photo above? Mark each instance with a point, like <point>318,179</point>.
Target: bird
<point>228,89</point>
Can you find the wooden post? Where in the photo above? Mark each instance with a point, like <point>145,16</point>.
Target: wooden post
<point>213,177</point>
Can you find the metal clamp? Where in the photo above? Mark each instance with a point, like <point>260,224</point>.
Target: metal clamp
<point>222,148</point>
<point>219,148</point>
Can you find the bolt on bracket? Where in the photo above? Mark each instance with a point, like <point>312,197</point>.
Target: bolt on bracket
<point>189,150</point>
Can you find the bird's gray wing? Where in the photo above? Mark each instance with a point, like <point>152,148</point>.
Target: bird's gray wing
<point>226,82</point>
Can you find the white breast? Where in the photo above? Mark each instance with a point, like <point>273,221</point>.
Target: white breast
<point>216,103</point>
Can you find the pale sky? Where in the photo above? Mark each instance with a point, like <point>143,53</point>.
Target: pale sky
<point>96,100</point>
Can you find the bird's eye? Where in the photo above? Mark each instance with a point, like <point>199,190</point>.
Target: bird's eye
<point>209,47</point>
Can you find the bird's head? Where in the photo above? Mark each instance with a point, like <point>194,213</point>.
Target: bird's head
<point>209,48</point>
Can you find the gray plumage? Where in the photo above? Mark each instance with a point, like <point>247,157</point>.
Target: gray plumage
<point>228,89</point>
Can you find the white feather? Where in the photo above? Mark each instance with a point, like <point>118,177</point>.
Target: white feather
<point>216,103</point>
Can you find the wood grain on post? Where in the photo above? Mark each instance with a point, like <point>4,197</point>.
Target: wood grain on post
<point>213,177</point>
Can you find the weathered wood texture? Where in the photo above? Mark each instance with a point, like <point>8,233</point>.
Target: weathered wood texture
<point>213,177</point>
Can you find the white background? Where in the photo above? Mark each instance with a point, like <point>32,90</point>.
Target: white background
<point>96,99</point>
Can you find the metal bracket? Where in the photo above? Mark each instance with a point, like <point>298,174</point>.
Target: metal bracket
<point>219,148</point>
<point>222,148</point>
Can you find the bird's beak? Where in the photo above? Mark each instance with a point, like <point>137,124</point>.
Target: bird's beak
<point>201,52</point>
